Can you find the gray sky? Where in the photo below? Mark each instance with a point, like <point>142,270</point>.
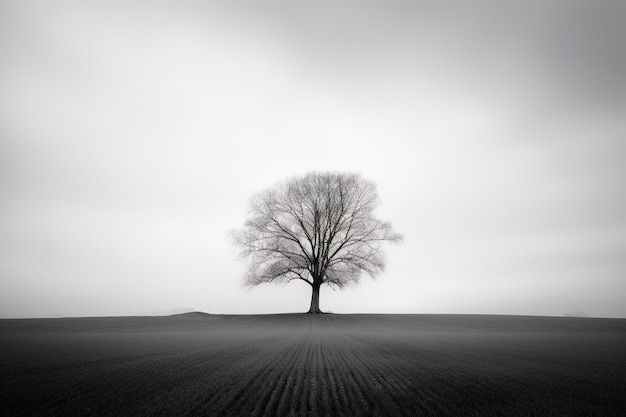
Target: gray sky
<point>132,135</point>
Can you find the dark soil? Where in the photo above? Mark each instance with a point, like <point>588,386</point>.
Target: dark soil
<point>313,365</point>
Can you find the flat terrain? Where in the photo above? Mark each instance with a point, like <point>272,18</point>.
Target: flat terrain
<point>327,365</point>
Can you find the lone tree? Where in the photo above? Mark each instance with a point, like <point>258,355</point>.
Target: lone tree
<point>319,228</point>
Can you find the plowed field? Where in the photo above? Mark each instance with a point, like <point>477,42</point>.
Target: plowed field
<point>324,365</point>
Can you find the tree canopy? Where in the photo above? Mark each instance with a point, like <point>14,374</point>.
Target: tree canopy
<point>319,229</point>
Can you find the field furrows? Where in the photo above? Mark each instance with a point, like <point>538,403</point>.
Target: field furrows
<point>312,366</point>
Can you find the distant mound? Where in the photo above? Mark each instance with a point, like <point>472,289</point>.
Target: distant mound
<point>191,314</point>
<point>577,314</point>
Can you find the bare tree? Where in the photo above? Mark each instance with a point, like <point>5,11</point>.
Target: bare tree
<point>319,229</point>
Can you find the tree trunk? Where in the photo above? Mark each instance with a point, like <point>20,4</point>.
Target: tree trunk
<point>315,300</point>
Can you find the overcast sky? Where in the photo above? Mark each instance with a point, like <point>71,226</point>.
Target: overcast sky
<point>133,133</point>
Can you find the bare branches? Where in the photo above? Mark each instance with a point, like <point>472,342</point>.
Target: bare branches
<point>318,229</point>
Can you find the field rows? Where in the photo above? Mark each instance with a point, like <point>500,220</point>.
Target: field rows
<point>311,365</point>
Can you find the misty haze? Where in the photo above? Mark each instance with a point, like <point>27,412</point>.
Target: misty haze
<point>373,208</point>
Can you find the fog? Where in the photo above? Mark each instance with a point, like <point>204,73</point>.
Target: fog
<point>132,135</point>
